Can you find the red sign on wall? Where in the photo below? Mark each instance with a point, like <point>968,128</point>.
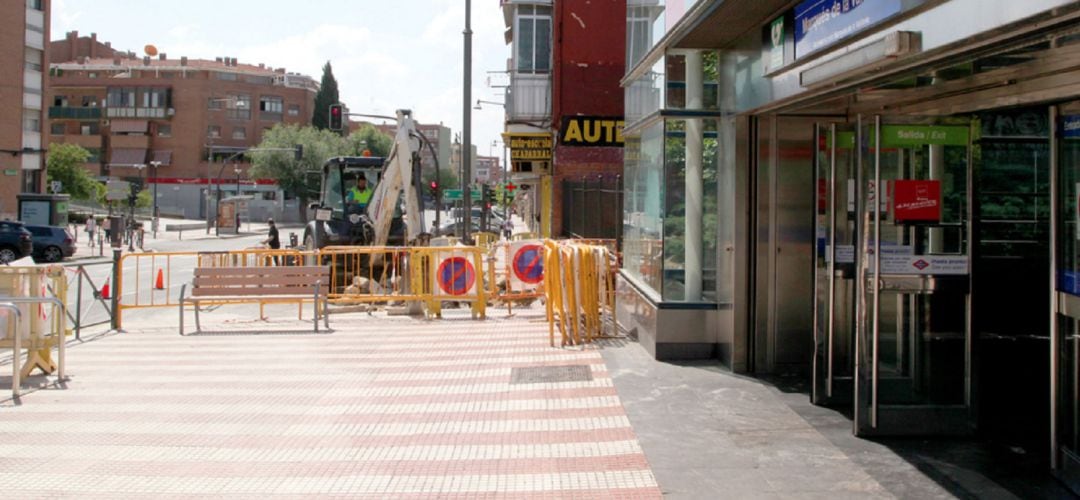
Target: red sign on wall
<point>916,201</point>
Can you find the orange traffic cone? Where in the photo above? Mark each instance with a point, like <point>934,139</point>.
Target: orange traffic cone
<point>159,284</point>
<point>105,289</point>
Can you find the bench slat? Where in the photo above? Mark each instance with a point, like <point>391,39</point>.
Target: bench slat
<point>263,271</point>
<point>256,291</point>
<point>209,281</point>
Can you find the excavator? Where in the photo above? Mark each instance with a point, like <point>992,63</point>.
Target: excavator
<point>383,221</point>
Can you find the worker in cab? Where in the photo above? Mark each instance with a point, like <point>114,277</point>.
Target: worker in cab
<point>360,194</point>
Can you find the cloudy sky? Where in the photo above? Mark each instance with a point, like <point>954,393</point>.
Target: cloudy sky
<point>386,54</point>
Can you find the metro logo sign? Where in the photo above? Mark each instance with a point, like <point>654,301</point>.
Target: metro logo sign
<point>916,201</point>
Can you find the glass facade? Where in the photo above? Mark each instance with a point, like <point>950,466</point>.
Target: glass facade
<point>669,125</point>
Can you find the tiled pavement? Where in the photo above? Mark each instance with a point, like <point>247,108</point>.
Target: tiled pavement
<point>380,408</point>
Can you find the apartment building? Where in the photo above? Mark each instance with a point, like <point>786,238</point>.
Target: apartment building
<point>179,123</point>
<point>24,29</point>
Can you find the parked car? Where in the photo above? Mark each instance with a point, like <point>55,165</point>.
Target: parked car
<point>51,244</point>
<point>451,228</point>
<point>15,241</point>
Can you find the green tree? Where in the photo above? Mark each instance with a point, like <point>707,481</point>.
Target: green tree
<point>297,178</point>
<point>328,94</point>
<point>65,164</point>
<point>447,178</point>
<point>371,139</point>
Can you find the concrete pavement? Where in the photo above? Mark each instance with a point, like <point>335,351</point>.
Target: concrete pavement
<point>380,408</point>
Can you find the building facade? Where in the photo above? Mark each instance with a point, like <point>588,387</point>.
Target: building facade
<point>438,136</point>
<point>184,118</point>
<point>869,196</point>
<point>24,56</point>
<point>564,111</point>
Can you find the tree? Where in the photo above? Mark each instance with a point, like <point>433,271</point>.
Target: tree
<point>65,164</point>
<point>371,139</point>
<point>298,178</point>
<point>328,94</point>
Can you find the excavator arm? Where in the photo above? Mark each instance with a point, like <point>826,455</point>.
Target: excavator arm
<point>399,174</point>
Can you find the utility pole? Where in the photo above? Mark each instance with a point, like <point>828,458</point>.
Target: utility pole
<point>466,133</point>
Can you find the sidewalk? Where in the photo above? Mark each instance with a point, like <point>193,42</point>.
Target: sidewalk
<point>382,407</point>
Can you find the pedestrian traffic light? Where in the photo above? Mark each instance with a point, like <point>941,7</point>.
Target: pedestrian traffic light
<point>336,117</point>
<point>299,150</point>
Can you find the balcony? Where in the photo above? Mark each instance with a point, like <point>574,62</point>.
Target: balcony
<point>129,141</point>
<point>75,113</point>
<point>86,141</point>
<point>529,97</point>
<point>139,112</point>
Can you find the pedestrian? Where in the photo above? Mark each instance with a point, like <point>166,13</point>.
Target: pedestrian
<point>508,228</point>
<point>272,241</point>
<point>91,225</point>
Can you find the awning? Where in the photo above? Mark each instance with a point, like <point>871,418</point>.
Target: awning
<point>121,157</point>
<point>129,126</point>
<point>165,157</point>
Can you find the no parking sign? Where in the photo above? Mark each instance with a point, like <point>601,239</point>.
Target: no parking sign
<point>456,276</point>
<point>526,265</point>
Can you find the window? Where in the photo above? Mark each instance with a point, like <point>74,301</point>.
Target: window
<point>88,101</point>
<point>35,4</point>
<point>121,97</point>
<point>164,130</point>
<point>58,129</point>
<point>91,75</point>
<point>533,39</point>
<point>213,132</point>
<point>31,120</point>
<point>294,110</point>
<point>270,104</point>
<point>239,107</point>
<point>226,76</point>
<point>60,101</point>
<point>239,133</point>
<point>638,33</point>
<point>95,155</point>
<point>33,59</point>
<point>155,97</point>
<point>90,129</point>
<point>259,80</point>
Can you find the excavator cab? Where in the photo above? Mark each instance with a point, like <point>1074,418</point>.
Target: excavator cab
<point>344,221</point>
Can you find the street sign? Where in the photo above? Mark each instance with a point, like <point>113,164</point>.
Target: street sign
<point>456,195</point>
<point>456,276</point>
<point>56,186</point>
<point>117,190</point>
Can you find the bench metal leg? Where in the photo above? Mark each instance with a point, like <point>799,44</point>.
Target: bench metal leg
<point>183,288</point>
<point>14,319</point>
<point>315,304</point>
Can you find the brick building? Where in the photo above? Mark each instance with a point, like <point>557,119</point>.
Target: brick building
<point>24,29</point>
<point>134,112</point>
<point>437,135</point>
<point>564,112</point>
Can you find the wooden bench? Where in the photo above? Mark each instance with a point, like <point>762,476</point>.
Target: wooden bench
<point>262,285</point>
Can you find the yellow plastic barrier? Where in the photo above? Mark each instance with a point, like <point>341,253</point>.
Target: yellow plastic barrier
<point>579,285</point>
<point>40,294</point>
<point>454,274</point>
<point>516,271</point>
<point>371,274</point>
<point>523,236</point>
<point>486,240</point>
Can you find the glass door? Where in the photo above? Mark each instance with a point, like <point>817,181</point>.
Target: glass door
<point>913,311</point>
<point>834,264</point>
<point>1065,330</point>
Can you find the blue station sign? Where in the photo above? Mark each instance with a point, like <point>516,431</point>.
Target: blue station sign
<point>821,23</point>
<point>1070,126</point>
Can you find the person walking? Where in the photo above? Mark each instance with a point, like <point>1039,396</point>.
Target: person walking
<point>91,225</point>
<point>508,228</point>
<point>272,240</point>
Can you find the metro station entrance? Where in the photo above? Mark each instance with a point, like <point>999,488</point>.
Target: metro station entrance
<point>893,308</point>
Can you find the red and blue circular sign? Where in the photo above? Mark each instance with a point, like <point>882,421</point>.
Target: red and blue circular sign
<point>456,276</point>
<point>528,264</point>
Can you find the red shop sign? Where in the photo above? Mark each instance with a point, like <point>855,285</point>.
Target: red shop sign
<point>916,201</point>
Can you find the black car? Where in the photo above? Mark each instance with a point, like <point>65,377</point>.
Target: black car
<point>51,244</point>
<point>15,241</point>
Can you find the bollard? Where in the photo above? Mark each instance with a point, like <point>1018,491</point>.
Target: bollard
<point>116,285</point>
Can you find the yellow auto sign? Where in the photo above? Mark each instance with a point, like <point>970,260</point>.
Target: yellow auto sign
<point>592,131</point>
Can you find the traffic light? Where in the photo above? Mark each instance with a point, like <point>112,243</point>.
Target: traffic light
<point>299,151</point>
<point>336,117</point>
<point>434,187</point>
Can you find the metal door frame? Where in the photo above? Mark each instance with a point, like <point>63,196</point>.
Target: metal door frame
<point>946,419</point>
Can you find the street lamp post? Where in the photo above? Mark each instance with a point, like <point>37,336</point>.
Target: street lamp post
<point>236,207</point>
<point>466,132</point>
<point>157,214</point>
<point>210,153</point>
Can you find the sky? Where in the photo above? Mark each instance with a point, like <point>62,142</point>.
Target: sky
<point>386,54</point>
